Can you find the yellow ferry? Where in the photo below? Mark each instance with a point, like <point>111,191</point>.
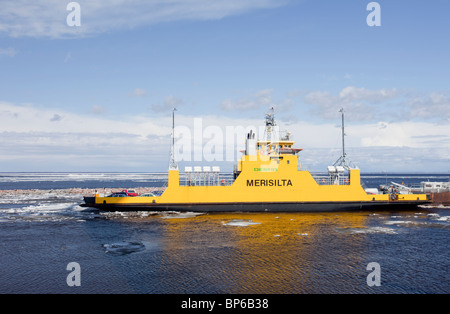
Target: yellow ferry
<point>267,178</point>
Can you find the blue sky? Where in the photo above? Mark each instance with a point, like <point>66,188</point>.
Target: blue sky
<point>98,97</point>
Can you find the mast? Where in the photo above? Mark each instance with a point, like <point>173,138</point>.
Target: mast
<point>173,164</point>
<point>343,136</point>
<point>341,161</point>
<point>271,135</point>
<point>270,123</point>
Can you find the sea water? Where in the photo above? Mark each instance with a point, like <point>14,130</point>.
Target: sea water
<point>43,229</point>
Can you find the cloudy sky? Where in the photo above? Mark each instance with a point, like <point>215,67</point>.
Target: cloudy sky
<point>98,97</point>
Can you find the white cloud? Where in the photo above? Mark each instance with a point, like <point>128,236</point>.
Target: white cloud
<point>47,18</point>
<point>30,118</point>
<point>169,103</point>
<point>9,52</point>
<point>352,93</point>
<point>260,99</point>
<point>138,142</point>
<point>29,134</point>
<point>139,92</point>
<point>434,105</point>
<point>397,146</point>
<point>402,134</point>
<point>96,109</point>
<point>361,104</point>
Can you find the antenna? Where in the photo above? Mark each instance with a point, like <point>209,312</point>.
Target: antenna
<point>270,123</point>
<point>341,161</point>
<point>271,135</point>
<point>173,164</point>
<point>343,136</point>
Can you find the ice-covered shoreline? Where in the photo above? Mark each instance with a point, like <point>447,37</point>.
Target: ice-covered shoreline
<point>72,192</point>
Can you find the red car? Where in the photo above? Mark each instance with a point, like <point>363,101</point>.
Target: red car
<point>130,192</point>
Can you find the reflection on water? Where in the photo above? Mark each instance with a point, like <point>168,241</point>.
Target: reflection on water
<point>149,252</point>
<point>295,252</point>
<point>267,253</point>
<point>308,253</point>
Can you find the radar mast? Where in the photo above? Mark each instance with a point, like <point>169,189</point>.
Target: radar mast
<point>342,161</point>
<point>173,165</point>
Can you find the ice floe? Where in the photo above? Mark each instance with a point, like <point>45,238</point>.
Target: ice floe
<point>368,230</point>
<point>123,248</point>
<point>240,223</point>
<point>179,215</point>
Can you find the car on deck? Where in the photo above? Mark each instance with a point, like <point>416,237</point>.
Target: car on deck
<point>130,192</point>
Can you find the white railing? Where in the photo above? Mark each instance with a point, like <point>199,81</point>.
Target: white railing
<point>206,179</point>
<point>331,180</point>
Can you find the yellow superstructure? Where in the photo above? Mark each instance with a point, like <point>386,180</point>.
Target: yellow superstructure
<point>280,184</point>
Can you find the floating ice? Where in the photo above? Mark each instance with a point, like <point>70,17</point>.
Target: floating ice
<point>180,215</point>
<point>240,222</point>
<point>398,222</point>
<point>123,248</point>
<point>369,230</point>
<point>376,230</point>
<point>42,209</point>
<point>440,206</point>
<point>438,217</point>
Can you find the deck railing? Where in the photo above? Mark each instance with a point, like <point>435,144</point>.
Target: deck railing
<point>221,179</point>
<point>331,180</point>
<point>206,179</point>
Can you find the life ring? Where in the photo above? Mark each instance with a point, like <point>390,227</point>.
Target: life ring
<point>324,181</point>
<point>346,180</point>
<point>224,181</point>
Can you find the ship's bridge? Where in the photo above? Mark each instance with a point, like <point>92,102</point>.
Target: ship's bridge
<point>267,155</point>
<point>283,146</point>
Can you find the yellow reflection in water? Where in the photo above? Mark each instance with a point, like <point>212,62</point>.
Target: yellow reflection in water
<point>267,252</point>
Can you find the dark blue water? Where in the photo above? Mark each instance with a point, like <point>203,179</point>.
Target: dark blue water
<point>42,231</point>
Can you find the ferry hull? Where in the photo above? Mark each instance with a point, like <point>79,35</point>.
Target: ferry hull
<point>261,207</point>
<point>294,191</point>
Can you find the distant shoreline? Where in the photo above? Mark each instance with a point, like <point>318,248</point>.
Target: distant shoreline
<point>75,191</point>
